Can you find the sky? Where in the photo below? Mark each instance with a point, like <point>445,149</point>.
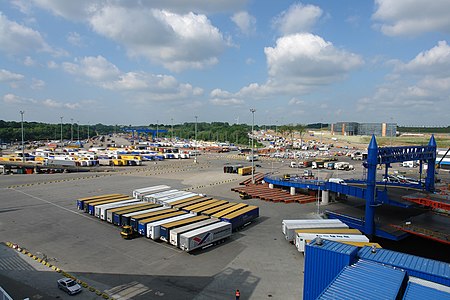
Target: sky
<point>170,61</point>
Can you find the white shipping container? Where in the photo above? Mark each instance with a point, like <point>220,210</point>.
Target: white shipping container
<point>152,197</point>
<point>97,208</point>
<point>303,237</point>
<point>175,233</point>
<point>290,228</point>
<point>307,221</point>
<point>138,193</point>
<point>153,229</point>
<point>205,236</point>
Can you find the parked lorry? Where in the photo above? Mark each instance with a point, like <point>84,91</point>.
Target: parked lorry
<point>126,218</point>
<point>154,228</point>
<point>117,215</point>
<point>164,229</point>
<point>140,193</point>
<point>81,201</point>
<point>118,209</point>
<point>176,232</point>
<point>90,207</point>
<point>205,236</point>
<point>285,223</point>
<point>142,224</point>
<point>134,220</point>
<point>101,210</point>
<point>301,238</point>
<point>289,229</point>
<point>217,209</point>
<point>241,217</point>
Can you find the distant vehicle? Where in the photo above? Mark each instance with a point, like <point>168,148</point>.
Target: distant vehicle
<point>409,164</point>
<point>337,180</point>
<point>68,285</point>
<point>391,178</point>
<point>249,158</point>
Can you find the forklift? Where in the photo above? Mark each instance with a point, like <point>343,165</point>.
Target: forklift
<point>127,232</point>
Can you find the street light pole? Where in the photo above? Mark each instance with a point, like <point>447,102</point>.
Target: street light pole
<point>195,148</point>
<point>61,133</point>
<point>23,151</point>
<point>78,122</point>
<point>88,131</point>
<point>157,121</point>
<point>71,130</point>
<point>252,110</point>
<point>171,120</point>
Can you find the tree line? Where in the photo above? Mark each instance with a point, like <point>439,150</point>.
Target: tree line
<point>214,131</point>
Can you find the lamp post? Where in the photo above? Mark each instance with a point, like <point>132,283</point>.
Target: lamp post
<point>195,148</point>
<point>23,151</point>
<point>88,131</point>
<point>252,110</point>
<point>157,121</point>
<point>71,130</point>
<point>171,120</point>
<point>61,133</point>
<point>78,134</point>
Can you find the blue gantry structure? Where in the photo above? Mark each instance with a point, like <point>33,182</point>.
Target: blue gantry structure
<point>367,189</point>
<point>146,131</point>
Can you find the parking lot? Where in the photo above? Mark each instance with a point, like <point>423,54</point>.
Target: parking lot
<point>39,213</point>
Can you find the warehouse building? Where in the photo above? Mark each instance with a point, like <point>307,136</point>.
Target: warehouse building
<point>354,128</point>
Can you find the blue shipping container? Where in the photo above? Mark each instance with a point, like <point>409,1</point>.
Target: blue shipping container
<point>366,280</point>
<point>417,266</point>
<point>323,262</point>
<point>237,220</point>
<point>415,291</point>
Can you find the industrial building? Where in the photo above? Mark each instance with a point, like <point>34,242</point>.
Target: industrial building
<point>354,128</point>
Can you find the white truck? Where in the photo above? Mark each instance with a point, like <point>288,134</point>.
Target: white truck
<point>290,228</point>
<point>139,193</point>
<point>153,229</point>
<point>205,236</point>
<point>176,233</point>
<point>301,238</point>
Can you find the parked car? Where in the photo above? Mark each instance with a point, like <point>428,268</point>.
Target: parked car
<point>68,285</point>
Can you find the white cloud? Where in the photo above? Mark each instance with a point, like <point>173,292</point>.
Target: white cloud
<point>81,10</point>
<point>29,62</point>
<point>37,84</point>
<point>420,85</point>
<point>298,18</point>
<point>177,42</point>
<point>96,68</point>
<point>51,103</point>
<point>307,59</point>
<point>435,61</point>
<point>412,17</point>
<point>245,22</point>
<point>75,39</point>
<point>52,65</point>
<point>8,76</point>
<point>144,87</point>
<point>296,101</point>
<point>298,64</point>
<point>16,38</point>
<point>14,99</point>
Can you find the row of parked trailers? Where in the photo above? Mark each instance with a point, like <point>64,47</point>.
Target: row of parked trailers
<point>301,232</point>
<point>186,220</point>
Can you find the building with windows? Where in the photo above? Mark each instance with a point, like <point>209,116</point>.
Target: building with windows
<point>354,128</point>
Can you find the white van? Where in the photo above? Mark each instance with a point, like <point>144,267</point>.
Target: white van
<point>337,180</point>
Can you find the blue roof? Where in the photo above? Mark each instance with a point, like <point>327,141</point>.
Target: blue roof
<point>416,291</point>
<point>365,280</point>
<point>334,246</point>
<point>415,265</point>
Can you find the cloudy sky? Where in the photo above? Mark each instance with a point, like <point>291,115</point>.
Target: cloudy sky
<point>142,62</point>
